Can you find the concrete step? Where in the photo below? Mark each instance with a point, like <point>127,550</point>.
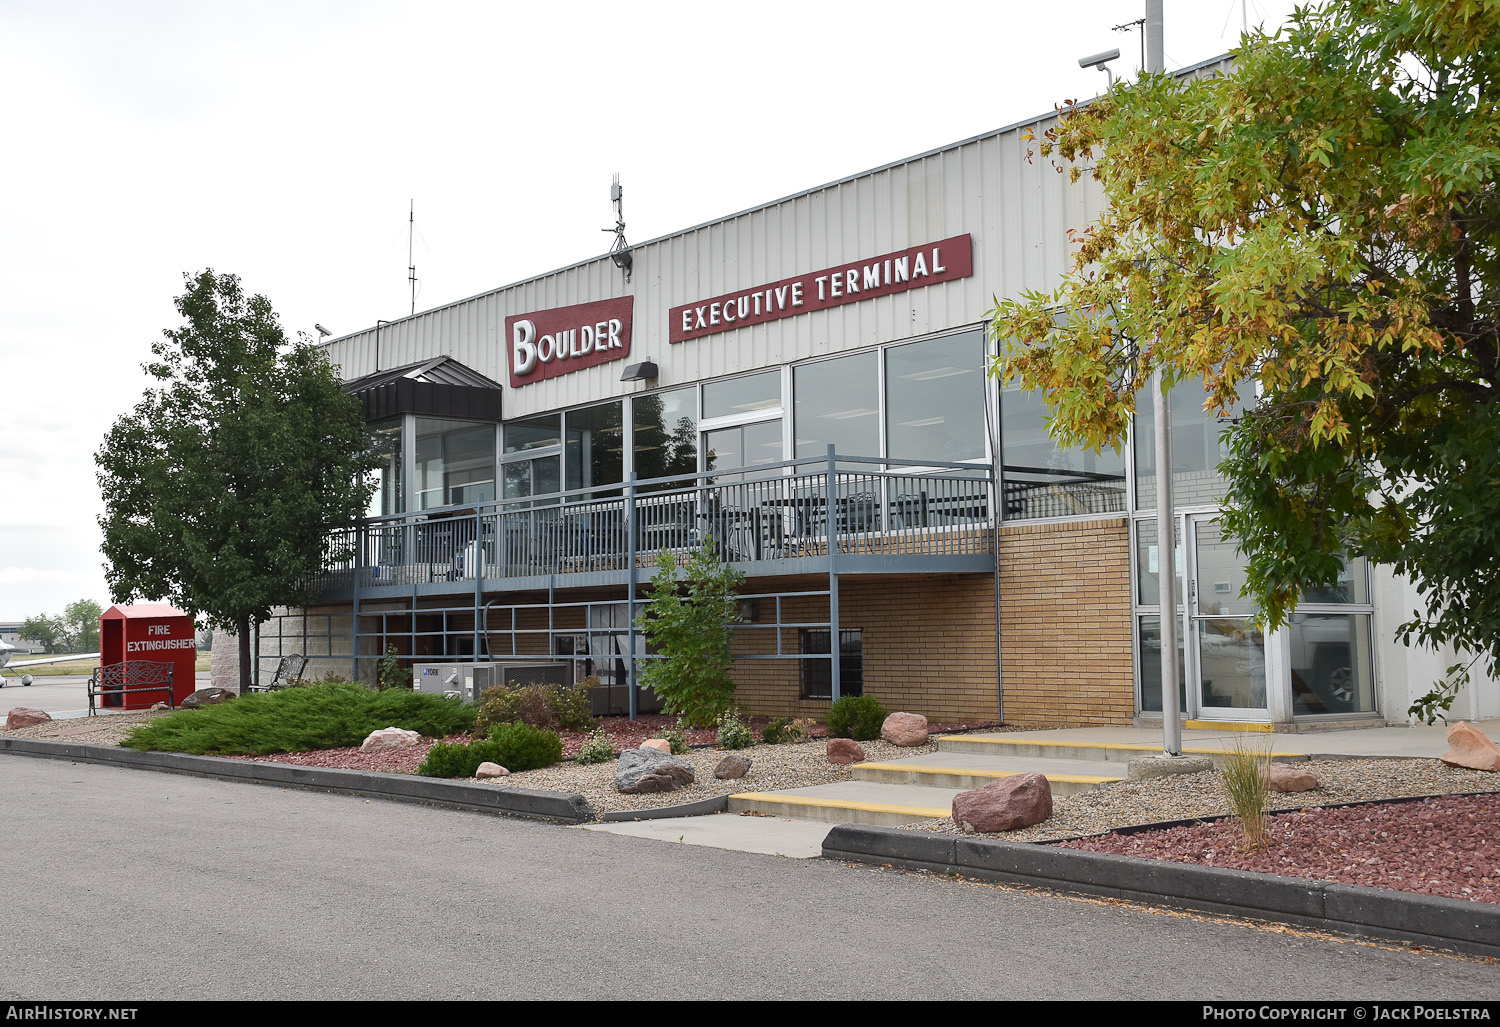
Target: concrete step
<point>852,802</point>
<point>967,770</point>
<point>1018,744</point>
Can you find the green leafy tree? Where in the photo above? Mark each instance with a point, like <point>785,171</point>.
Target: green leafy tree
<point>82,620</point>
<point>222,486</point>
<point>48,632</point>
<point>688,622</point>
<point>1323,219</point>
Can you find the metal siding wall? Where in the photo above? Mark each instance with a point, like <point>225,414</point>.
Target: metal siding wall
<point>1017,212</point>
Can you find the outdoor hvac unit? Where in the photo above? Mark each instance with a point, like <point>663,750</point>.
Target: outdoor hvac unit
<point>469,680</point>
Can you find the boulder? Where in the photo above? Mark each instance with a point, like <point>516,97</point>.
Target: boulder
<point>651,770</point>
<point>845,750</point>
<point>205,697</point>
<point>660,744</point>
<point>1019,800</point>
<point>734,765</point>
<point>905,729</point>
<point>488,770</point>
<point>1284,777</point>
<point>1470,747</point>
<point>23,716</point>
<point>389,738</point>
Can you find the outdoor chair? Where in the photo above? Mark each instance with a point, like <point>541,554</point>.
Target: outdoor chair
<point>288,669</point>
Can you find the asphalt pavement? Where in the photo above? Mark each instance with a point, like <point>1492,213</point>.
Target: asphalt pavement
<point>120,884</point>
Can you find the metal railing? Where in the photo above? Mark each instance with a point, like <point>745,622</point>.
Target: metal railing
<point>794,510</point>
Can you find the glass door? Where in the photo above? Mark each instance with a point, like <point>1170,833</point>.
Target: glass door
<point>1227,654</point>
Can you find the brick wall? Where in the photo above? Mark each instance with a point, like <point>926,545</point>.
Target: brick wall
<point>1065,622</point>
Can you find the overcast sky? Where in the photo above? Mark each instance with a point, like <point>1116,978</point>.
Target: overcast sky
<point>283,142</point>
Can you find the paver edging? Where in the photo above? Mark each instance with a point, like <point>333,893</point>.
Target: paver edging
<point>1349,909</point>
<point>558,806</point>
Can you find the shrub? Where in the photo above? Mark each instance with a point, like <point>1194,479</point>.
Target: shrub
<point>675,738</point>
<point>774,733</point>
<point>544,706</point>
<point>456,759</point>
<point>688,623</point>
<point>600,748</point>
<point>327,715</point>
<point>858,717</point>
<point>1242,777</point>
<point>523,747</point>
<point>733,734</point>
<point>389,673</point>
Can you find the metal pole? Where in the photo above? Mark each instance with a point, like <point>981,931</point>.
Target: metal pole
<point>1166,512</point>
<point>830,521</point>
<point>630,522</point>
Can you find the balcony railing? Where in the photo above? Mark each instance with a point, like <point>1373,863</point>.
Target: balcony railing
<point>754,515</point>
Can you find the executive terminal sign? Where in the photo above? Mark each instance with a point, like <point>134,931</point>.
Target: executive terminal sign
<point>553,342</point>
<point>848,283</point>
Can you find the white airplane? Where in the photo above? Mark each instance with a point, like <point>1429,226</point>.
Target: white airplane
<point>7,651</point>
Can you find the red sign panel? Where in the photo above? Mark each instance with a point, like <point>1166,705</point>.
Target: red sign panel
<point>889,273</point>
<point>553,342</point>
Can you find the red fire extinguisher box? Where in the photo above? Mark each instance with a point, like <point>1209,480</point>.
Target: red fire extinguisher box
<point>155,633</point>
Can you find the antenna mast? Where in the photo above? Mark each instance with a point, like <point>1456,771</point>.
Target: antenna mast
<point>411,267</point>
<point>620,251</point>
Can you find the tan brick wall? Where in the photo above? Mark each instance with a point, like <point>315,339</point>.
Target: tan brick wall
<point>1065,623</point>
<point>929,646</point>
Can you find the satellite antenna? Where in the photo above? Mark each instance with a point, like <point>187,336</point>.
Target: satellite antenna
<point>411,267</point>
<point>620,251</point>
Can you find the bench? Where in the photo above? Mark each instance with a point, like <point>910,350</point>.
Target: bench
<point>111,682</point>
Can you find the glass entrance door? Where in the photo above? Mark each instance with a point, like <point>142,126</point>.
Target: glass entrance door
<point>1227,664</point>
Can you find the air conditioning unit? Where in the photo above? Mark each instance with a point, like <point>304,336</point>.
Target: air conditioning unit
<point>469,680</point>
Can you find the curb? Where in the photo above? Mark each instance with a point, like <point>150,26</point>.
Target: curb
<point>520,802</point>
<point>1472,927</point>
<point>697,808</point>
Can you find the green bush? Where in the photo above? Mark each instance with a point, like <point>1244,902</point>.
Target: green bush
<point>674,738</point>
<point>774,733</point>
<point>389,673</point>
<point>552,707</point>
<point>523,747</point>
<point>327,715</point>
<point>600,748</point>
<point>858,717</point>
<point>515,747</point>
<point>733,734</point>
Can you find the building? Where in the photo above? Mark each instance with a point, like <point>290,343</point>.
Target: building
<point>806,383</point>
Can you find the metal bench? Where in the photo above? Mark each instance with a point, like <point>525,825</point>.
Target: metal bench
<point>113,681</point>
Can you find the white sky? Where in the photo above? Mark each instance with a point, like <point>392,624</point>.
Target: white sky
<point>283,141</point>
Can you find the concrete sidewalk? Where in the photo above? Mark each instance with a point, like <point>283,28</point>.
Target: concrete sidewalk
<point>1367,741</point>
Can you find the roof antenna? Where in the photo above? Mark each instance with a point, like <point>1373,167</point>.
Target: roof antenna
<point>411,267</point>
<point>620,251</point>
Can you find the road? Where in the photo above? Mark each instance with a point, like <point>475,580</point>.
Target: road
<point>122,884</point>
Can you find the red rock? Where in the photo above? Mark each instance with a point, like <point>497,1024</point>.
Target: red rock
<point>1283,777</point>
<point>22,716</point>
<point>1019,800</point>
<point>488,770</point>
<point>657,743</point>
<point>845,750</point>
<point>1470,747</point>
<point>905,729</point>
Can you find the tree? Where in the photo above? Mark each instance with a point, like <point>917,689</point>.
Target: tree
<point>1321,220</point>
<point>222,487</point>
<point>48,632</point>
<point>688,622</point>
<point>82,620</point>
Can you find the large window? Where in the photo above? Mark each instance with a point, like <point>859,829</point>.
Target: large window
<point>390,491</point>
<point>1044,479</point>
<point>837,402</point>
<point>595,451</point>
<point>666,433</point>
<point>455,462</point>
<point>1196,448</point>
<point>934,393</point>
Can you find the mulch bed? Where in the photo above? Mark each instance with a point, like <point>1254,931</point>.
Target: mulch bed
<point>625,734</point>
<point>1444,846</point>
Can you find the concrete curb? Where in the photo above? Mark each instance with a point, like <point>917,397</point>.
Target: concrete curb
<point>697,808</point>
<point>521,802</point>
<point>1347,909</point>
